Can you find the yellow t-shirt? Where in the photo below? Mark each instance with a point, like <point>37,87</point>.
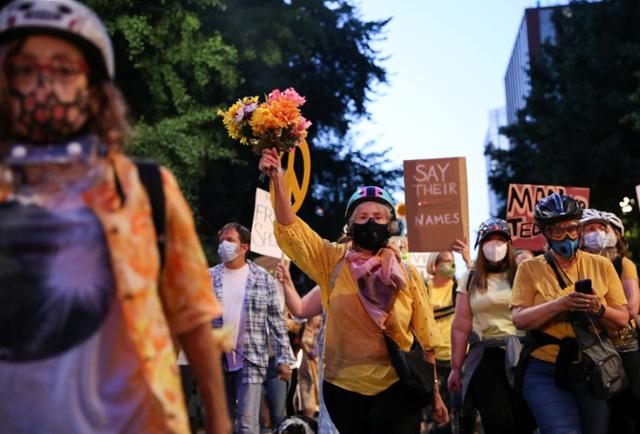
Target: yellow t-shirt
<point>536,283</point>
<point>490,309</point>
<point>629,270</point>
<point>355,355</point>
<point>441,297</point>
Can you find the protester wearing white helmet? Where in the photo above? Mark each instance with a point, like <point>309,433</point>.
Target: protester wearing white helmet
<point>87,316</point>
<point>624,415</point>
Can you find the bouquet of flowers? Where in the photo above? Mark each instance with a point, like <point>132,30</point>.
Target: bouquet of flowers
<point>275,123</point>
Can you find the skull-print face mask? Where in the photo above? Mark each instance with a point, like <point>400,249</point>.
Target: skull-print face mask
<point>48,119</point>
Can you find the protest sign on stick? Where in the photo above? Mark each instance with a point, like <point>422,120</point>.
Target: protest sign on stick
<point>263,239</point>
<point>436,203</point>
<point>521,201</point>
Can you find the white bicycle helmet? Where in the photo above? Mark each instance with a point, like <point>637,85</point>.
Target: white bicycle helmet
<point>591,215</point>
<point>614,221</point>
<point>67,19</point>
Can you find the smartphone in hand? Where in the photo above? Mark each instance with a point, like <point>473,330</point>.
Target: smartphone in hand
<point>584,286</point>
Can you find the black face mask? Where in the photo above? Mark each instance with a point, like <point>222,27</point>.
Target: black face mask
<point>370,235</point>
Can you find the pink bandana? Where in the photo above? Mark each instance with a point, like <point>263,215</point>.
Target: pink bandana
<point>379,279</point>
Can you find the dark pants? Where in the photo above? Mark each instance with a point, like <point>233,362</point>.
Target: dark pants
<point>493,396</point>
<point>465,417</point>
<point>192,398</point>
<point>625,413</point>
<point>389,412</point>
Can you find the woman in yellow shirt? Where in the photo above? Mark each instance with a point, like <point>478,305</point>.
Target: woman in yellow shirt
<point>596,240</point>
<point>364,289</point>
<point>540,304</point>
<point>441,288</point>
<point>483,321</point>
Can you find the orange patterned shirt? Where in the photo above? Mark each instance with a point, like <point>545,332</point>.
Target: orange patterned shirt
<point>151,315</point>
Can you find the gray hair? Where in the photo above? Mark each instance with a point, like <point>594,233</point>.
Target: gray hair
<point>355,211</point>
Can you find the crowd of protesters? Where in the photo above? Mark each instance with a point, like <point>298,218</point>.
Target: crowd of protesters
<point>112,322</point>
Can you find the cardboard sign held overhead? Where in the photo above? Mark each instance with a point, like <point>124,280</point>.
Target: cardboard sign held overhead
<point>521,200</point>
<point>263,240</point>
<point>436,203</point>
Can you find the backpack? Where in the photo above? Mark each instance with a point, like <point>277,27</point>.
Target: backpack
<point>151,180</point>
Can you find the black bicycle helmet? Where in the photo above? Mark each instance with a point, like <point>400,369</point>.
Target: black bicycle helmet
<point>491,226</point>
<point>556,208</point>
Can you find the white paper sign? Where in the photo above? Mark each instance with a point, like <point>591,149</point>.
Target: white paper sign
<point>419,261</point>
<point>263,240</point>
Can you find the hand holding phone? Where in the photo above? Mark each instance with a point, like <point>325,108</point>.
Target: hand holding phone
<point>584,286</point>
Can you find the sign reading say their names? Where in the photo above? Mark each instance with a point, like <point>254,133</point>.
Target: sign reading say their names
<point>436,203</point>
<point>521,201</point>
<point>263,239</point>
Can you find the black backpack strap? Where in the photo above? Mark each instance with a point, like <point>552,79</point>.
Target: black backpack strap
<point>554,267</point>
<point>453,292</point>
<point>469,278</point>
<point>617,264</point>
<point>151,179</point>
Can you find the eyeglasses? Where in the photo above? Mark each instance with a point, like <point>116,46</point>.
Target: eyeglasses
<point>26,70</point>
<point>558,232</point>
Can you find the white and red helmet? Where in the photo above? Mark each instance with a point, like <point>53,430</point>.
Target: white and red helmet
<point>67,19</point>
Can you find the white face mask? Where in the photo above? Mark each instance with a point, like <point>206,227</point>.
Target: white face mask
<point>228,251</point>
<point>494,251</point>
<point>595,241</point>
<point>612,239</point>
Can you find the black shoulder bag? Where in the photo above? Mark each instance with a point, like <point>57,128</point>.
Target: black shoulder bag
<point>604,373</point>
<point>416,375</point>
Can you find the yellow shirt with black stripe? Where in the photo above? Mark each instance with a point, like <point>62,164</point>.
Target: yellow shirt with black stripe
<point>355,354</point>
<point>536,283</point>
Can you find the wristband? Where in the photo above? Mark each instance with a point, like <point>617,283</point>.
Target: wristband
<point>600,312</point>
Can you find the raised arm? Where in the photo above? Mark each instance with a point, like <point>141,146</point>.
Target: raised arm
<point>308,306</point>
<point>271,165</point>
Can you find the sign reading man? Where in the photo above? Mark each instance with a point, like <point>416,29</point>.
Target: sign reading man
<point>436,203</point>
<point>521,200</point>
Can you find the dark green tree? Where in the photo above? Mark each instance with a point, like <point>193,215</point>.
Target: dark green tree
<point>179,61</point>
<point>580,125</point>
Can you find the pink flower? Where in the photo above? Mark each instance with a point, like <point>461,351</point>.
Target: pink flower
<point>289,94</point>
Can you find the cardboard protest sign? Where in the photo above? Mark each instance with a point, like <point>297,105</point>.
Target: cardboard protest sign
<point>263,240</point>
<point>436,203</point>
<point>521,200</point>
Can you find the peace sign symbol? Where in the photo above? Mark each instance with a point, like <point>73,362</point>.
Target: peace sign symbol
<point>297,189</point>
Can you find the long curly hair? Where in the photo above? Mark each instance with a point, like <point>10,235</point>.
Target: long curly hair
<point>107,107</point>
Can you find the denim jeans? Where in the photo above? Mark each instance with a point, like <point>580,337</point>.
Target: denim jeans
<point>276,392</point>
<point>244,403</point>
<point>562,411</point>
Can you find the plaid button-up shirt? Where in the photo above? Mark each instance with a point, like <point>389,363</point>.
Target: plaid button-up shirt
<point>263,322</point>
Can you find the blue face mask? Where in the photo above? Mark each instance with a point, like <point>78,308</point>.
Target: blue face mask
<point>228,251</point>
<point>566,248</point>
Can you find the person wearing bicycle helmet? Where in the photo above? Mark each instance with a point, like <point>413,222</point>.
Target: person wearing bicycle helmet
<point>616,250</point>
<point>553,372</point>
<point>597,239</point>
<point>88,314</point>
<point>365,289</point>
<point>604,238</point>
<point>483,335</point>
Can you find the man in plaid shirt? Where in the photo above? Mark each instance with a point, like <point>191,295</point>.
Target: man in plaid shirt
<point>252,308</point>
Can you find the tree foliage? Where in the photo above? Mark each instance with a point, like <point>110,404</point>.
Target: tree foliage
<point>581,123</point>
<point>179,61</point>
